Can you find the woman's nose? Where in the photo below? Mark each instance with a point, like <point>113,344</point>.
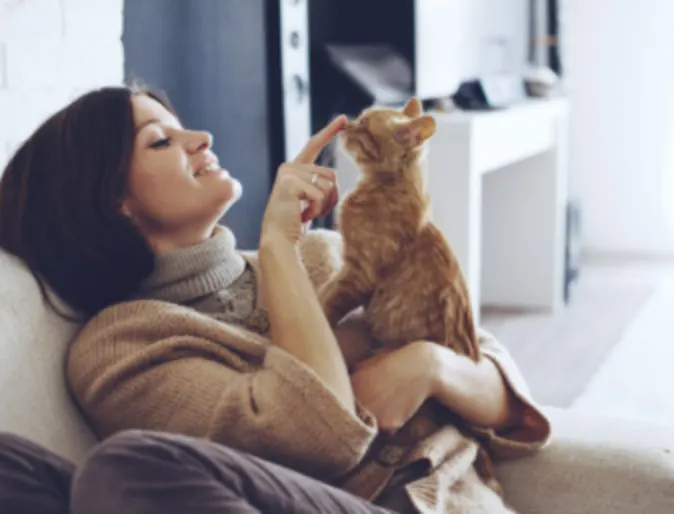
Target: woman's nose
<point>198,141</point>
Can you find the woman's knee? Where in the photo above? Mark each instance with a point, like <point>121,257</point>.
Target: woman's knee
<point>124,452</point>
<point>165,471</point>
<point>132,454</point>
<point>102,479</point>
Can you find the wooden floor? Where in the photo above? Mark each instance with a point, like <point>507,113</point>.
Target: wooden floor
<point>559,355</point>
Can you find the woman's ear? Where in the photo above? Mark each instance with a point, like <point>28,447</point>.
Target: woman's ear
<point>125,209</point>
<point>415,132</point>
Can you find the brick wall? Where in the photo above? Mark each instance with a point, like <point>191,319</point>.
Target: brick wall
<point>50,52</point>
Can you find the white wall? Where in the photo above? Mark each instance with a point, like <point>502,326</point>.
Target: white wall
<point>622,91</point>
<point>472,37</point>
<point>50,52</point>
<point>502,32</point>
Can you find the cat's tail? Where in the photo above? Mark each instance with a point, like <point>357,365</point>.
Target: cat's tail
<point>460,332</point>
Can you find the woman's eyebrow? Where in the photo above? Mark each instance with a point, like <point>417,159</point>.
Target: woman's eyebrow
<point>172,123</point>
<point>146,123</point>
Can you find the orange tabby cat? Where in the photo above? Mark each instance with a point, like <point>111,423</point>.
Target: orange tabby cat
<point>396,263</point>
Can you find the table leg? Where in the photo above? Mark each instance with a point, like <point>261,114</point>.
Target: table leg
<point>523,234</point>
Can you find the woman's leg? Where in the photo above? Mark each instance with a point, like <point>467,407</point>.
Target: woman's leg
<point>32,479</point>
<point>153,473</point>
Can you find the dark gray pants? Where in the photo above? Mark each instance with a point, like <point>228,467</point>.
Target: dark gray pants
<point>32,479</point>
<point>139,472</point>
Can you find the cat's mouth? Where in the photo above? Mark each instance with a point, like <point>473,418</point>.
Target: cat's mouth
<point>357,138</point>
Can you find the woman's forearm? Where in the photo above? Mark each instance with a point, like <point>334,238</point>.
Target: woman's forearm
<point>298,324</point>
<point>475,390</point>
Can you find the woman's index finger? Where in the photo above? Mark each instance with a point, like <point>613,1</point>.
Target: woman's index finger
<point>319,141</point>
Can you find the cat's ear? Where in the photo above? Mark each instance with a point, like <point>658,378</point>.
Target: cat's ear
<point>413,107</point>
<point>415,132</point>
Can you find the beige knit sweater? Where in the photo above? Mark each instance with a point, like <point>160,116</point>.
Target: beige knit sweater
<point>158,365</point>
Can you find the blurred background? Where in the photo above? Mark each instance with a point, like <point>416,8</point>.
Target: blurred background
<point>551,172</point>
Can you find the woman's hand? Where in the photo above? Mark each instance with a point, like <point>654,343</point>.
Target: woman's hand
<point>393,385</point>
<point>302,190</point>
<point>476,391</point>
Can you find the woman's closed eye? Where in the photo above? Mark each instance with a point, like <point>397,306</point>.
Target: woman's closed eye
<point>162,143</point>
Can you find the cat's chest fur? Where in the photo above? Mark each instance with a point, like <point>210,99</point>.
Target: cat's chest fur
<point>414,283</point>
<point>391,211</point>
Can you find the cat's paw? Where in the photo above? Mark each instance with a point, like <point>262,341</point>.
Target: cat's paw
<point>332,316</point>
<point>325,300</point>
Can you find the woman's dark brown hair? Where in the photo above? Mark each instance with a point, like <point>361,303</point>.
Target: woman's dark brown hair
<point>60,201</point>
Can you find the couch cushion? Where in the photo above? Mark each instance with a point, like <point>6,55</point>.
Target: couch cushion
<point>594,465</point>
<point>33,341</point>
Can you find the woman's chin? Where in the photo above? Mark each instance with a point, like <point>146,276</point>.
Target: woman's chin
<point>229,193</point>
<point>237,189</point>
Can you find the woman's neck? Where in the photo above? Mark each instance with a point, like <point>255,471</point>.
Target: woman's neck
<point>187,273</point>
<point>168,242</point>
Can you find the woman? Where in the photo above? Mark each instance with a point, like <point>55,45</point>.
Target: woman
<point>115,206</point>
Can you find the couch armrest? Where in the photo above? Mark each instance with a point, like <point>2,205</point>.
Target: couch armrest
<point>594,465</point>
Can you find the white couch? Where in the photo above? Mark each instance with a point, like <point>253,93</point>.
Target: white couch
<point>592,466</point>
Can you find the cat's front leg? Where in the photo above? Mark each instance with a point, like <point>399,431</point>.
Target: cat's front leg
<point>346,291</point>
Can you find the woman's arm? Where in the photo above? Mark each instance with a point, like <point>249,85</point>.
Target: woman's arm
<point>302,191</point>
<point>477,391</point>
<point>130,367</point>
<point>298,324</point>
<point>490,395</point>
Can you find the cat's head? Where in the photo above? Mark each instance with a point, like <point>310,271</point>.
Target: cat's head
<point>383,138</point>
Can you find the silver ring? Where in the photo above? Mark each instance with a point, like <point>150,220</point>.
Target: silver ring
<point>314,178</point>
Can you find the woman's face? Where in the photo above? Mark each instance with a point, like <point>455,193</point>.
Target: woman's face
<point>177,190</point>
